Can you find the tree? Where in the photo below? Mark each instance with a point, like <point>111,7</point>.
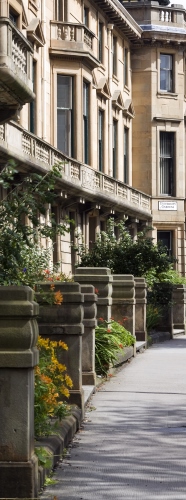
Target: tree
<point>25,198</point>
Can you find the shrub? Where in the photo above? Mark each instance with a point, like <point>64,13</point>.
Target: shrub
<point>52,385</point>
<point>110,338</point>
<point>123,255</point>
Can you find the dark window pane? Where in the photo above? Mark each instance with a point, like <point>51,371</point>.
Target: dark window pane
<point>125,154</point>
<point>86,121</point>
<point>100,42</point>
<point>64,113</point>
<point>114,146</point>
<point>100,139</point>
<point>64,131</point>
<point>86,16</point>
<point>166,72</point>
<point>166,162</point>
<point>125,64</point>
<point>114,56</point>
<point>165,237</point>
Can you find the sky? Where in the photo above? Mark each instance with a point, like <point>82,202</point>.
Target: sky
<point>179,2</point>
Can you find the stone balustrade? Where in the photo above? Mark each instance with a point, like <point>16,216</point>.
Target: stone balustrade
<point>27,148</point>
<point>16,55</point>
<point>165,15</point>
<point>71,32</point>
<point>18,357</point>
<point>19,52</point>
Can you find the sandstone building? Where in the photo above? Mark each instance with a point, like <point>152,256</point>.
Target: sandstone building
<point>100,87</point>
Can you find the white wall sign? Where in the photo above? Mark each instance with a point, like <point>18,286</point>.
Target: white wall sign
<point>168,205</point>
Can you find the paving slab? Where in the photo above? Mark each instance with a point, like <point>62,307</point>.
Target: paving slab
<point>132,444</point>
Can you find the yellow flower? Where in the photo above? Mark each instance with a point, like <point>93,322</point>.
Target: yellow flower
<point>65,391</point>
<point>63,345</point>
<point>68,381</point>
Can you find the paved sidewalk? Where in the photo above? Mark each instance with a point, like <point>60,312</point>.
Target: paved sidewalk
<point>133,443</point>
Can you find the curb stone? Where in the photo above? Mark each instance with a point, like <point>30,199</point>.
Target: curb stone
<point>56,443</point>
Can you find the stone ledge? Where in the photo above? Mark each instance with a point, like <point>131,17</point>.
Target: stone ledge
<point>56,443</point>
<point>155,337</point>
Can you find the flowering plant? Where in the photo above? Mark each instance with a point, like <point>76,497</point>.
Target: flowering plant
<point>52,385</point>
<point>52,275</point>
<point>110,337</point>
<point>49,296</point>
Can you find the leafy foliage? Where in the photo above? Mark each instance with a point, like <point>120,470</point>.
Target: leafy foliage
<point>51,386</point>
<point>123,255</point>
<point>110,338</point>
<point>23,223</point>
<point>45,457</point>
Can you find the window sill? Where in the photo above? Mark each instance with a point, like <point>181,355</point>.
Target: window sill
<point>169,95</point>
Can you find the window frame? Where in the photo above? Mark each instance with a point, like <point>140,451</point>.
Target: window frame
<point>168,73</point>
<point>33,104</point>
<point>114,55</point>
<point>171,233</point>
<point>86,121</point>
<point>14,17</point>
<point>167,146</point>
<point>86,16</point>
<point>125,66</point>
<point>114,148</point>
<point>69,114</point>
<point>101,115</point>
<point>126,155</point>
<point>100,41</point>
<point>61,10</point>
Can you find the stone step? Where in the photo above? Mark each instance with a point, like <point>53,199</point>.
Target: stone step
<point>178,331</point>
<point>140,345</point>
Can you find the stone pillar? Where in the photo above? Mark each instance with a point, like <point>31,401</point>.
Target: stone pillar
<point>101,278</point>
<point>65,322</point>
<point>140,309</point>
<point>18,356</point>
<point>123,300</point>
<point>164,293</point>
<point>88,347</point>
<point>179,306</point>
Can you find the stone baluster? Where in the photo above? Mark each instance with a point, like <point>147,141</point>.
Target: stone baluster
<point>18,357</point>
<point>88,347</point>
<point>66,32</point>
<point>58,33</point>
<point>140,309</point>
<point>65,322</point>
<point>72,33</point>
<point>123,300</point>
<point>102,279</point>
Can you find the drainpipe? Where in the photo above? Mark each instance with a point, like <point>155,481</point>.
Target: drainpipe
<point>43,71</point>
<point>110,124</point>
